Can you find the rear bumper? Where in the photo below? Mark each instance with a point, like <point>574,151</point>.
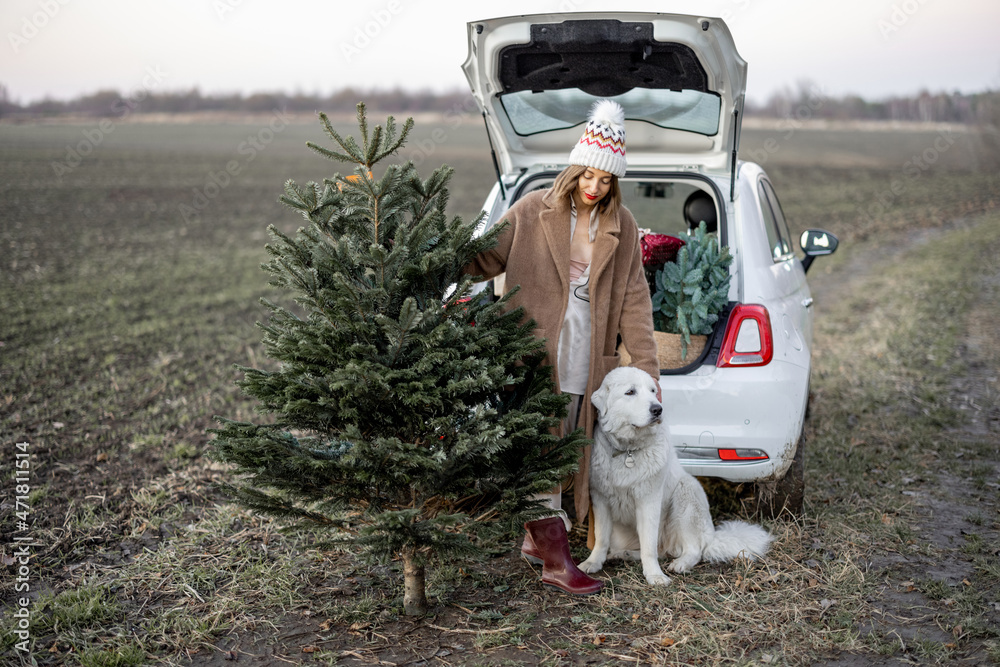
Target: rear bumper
<point>759,408</point>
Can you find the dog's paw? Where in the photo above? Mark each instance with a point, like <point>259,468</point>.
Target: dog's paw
<point>683,564</point>
<point>657,579</point>
<point>591,565</point>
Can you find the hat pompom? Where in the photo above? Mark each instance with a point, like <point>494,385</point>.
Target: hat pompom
<point>608,112</point>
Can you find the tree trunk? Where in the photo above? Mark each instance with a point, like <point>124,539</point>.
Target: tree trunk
<point>414,592</point>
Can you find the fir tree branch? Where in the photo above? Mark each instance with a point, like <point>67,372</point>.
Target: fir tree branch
<point>327,153</point>
<point>390,126</point>
<point>371,150</point>
<point>350,147</point>
<point>363,122</point>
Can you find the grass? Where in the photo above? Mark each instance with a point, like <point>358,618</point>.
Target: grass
<point>122,322</point>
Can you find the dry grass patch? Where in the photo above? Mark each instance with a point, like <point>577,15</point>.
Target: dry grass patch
<point>113,374</point>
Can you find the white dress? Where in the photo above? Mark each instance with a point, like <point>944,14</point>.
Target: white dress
<point>574,352</point>
<point>574,338</point>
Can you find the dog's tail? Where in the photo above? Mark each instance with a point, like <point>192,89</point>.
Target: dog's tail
<point>735,539</point>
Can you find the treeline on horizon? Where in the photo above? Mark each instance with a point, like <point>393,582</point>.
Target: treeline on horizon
<point>805,102</point>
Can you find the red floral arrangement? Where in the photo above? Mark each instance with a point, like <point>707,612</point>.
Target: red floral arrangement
<point>657,250</point>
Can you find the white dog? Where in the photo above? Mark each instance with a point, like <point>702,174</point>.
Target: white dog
<point>641,495</point>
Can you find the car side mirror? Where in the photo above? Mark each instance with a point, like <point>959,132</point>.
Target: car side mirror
<point>815,243</point>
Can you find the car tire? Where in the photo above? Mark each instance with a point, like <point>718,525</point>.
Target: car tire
<point>783,497</point>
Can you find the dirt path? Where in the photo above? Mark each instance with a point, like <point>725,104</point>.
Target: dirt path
<point>950,507</point>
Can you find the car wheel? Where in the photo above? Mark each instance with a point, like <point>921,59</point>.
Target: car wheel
<point>776,498</point>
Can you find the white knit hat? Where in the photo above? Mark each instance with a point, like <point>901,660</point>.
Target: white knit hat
<point>602,145</point>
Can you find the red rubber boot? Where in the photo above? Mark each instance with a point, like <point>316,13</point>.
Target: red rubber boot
<point>548,541</point>
<point>530,552</point>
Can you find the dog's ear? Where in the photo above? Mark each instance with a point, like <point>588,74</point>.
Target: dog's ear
<point>600,398</point>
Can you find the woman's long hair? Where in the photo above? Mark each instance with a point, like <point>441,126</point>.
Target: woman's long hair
<point>566,183</point>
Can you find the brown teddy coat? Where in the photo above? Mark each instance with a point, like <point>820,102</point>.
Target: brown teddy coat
<point>534,252</point>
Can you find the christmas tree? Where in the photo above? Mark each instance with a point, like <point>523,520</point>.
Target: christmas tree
<point>412,421</point>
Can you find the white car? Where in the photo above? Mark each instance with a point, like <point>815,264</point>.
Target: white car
<point>737,410</point>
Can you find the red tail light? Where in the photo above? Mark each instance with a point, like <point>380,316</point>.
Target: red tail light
<point>748,340</point>
<point>742,455</point>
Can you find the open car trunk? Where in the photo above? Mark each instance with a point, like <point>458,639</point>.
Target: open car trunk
<point>667,204</point>
<point>679,79</point>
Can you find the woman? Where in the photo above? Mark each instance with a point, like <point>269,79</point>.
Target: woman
<point>574,251</point>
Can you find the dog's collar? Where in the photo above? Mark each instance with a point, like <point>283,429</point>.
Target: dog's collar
<point>629,459</point>
<point>610,441</point>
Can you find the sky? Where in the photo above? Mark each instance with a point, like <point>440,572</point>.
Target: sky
<point>64,48</point>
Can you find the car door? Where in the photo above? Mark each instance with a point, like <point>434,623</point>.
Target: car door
<point>793,325</point>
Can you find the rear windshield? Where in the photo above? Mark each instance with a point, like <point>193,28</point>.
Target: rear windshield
<point>544,111</point>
